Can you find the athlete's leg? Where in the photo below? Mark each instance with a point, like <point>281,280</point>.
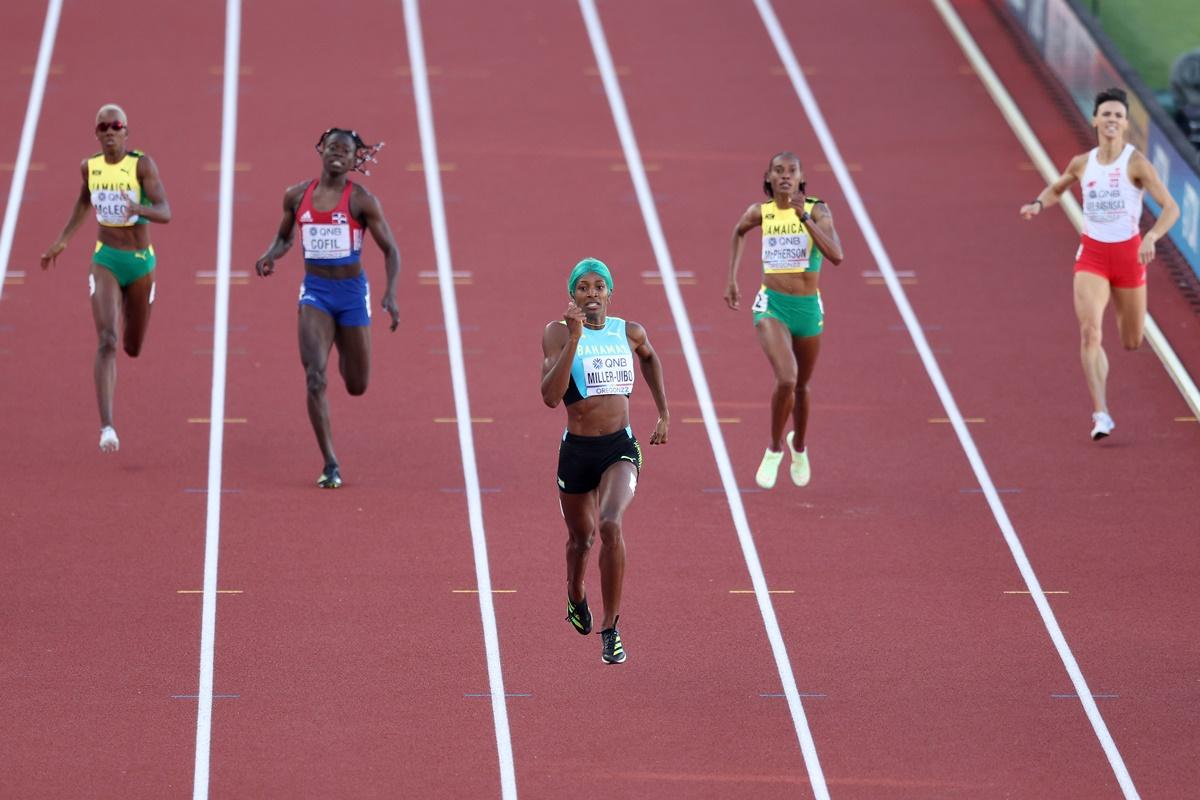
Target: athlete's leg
<point>1130,305</point>
<point>316,339</point>
<point>806,349</point>
<point>139,299</point>
<point>776,342</point>
<point>617,486</point>
<point>354,357</point>
<point>1091,296</point>
<point>106,310</point>
<point>579,511</point>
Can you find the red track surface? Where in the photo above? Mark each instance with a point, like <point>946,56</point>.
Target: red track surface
<point>351,658</point>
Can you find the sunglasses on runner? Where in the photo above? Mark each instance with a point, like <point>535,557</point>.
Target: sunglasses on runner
<point>102,127</point>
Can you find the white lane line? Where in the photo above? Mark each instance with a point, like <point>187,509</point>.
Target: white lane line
<point>1016,121</point>
<point>832,154</point>
<point>216,433</point>
<point>33,110</point>
<point>462,406</point>
<point>666,267</point>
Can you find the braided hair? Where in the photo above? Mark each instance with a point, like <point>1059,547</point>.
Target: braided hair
<point>767,175</point>
<point>363,153</point>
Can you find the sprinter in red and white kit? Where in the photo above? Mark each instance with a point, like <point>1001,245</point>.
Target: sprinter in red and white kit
<point>335,300</point>
<point>1112,256</point>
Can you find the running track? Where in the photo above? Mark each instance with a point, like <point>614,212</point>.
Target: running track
<point>348,660</point>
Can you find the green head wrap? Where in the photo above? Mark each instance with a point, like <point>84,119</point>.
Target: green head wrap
<point>584,267</point>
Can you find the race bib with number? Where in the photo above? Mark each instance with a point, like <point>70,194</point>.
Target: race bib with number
<point>113,204</point>
<point>611,374</point>
<point>785,253</point>
<point>326,241</point>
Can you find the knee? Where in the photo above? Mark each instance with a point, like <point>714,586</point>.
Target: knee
<point>785,383</point>
<point>314,378</point>
<point>610,531</point>
<point>580,544</point>
<point>1089,334</point>
<point>107,342</point>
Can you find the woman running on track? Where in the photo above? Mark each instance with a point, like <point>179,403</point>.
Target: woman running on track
<point>335,299</point>
<point>797,234</point>
<point>122,187</point>
<point>1112,256</point>
<point>588,366</point>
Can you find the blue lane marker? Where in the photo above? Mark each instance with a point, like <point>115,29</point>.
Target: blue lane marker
<point>197,697</point>
<point>802,694</point>
<point>506,694</point>
<point>205,491</point>
<point>1073,696</point>
<point>460,490</point>
<point>742,489</point>
<point>977,490</point>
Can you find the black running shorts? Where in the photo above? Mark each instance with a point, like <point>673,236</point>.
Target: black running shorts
<point>583,459</point>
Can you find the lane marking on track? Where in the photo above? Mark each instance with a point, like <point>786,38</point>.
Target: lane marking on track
<point>1026,591</point>
<point>212,696</point>
<point>462,406</point>
<point>622,167</point>
<point>506,694</point>
<point>945,420</point>
<point>201,591</point>
<point>460,489</point>
<point>1185,419</point>
<point>724,490</point>
<point>662,256</point>
<point>208,277</point>
<point>933,369</point>
<point>34,166</point>
<point>1072,696</point>
<point>977,490</point>
<point>455,419</point>
<point>883,281</point>
<point>769,591</point>
<point>700,420</point>
<point>219,70</point>
<point>1033,147</point>
<point>207,420</point>
<point>476,591</point>
<point>802,694</point>
<point>33,110</point>
<point>851,166</point>
<point>460,276</point>
<point>216,433</point>
<point>32,69</point>
<point>205,491</point>
<point>900,273</point>
<point>217,166</point>
<point>414,167</point>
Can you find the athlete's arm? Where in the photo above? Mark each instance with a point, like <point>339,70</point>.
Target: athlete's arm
<point>823,234</point>
<point>371,212</point>
<point>751,219</point>
<point>559,343</point>
<point>1144,176</point>
<point>286,233</point>
<point>1050,195</point>
<point>158,210</point>
<point>652,372</point>
<point>82,204</point>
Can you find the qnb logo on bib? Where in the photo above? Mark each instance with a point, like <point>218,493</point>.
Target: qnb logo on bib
<point>608,374</point>
<point>326,241</point>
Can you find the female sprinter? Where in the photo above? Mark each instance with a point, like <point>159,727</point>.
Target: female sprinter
<point>588,366</point>
<point>1112,256</point>
<point>335,299</point>
<point>123,188</point>
<point>788,313</point>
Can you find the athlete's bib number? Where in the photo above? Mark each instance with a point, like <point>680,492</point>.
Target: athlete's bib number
<point>608,374</point>
<point>326,241</point>
<point>112,206</point>
<point>760,303</point>
<point>789,252</point>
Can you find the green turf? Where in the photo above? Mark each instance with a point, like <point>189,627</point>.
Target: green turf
<point>1150,34</point>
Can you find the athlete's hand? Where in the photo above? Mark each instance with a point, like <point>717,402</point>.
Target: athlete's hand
<point>50,255</point>
<point>1030,210</point>
<point>574,318</point>
<point>660,430</point>
<point>264,266</point>
<point>1146,249</point>
<point>133,209</point>
<point>389,305</point>
<point>733,296</point>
